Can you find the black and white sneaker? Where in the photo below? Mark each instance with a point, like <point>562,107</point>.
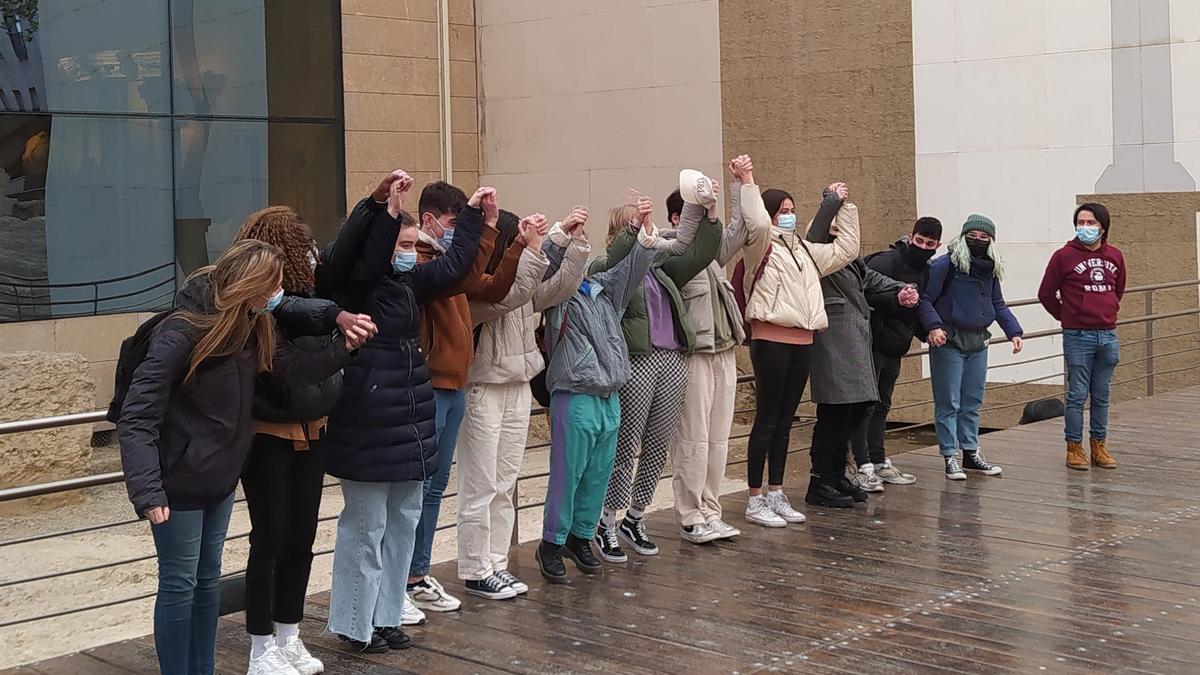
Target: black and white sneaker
<point>609,545</point>
<point>633,531</point>
<point>492,588</point>
<point>517,585</point>
<point>954,469</point>
<point>973,461</point>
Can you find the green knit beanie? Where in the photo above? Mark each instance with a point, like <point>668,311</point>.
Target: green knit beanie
<point>981,223</point>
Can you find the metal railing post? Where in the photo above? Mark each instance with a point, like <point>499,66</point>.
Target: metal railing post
<point>1150,343</point>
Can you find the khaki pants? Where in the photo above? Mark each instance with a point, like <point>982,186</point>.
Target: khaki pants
<point>490,449</point>
<point>701,445</point>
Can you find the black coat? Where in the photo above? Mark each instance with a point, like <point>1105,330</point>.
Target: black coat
<point>308,324</point>
<point>183,445</point>
<point>383,428</point>
<point>893,326</point>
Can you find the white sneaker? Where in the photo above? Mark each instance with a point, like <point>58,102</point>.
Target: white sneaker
<point>866,479</point>
<point>759,512</point>
<point>271,662</point>
<point>410,615</point>
<point>297,654</point>
<point>889,473</point>
<point>783,508</point>
<point>723,528</point>
<point>430,596</point>
<point>699,534</point>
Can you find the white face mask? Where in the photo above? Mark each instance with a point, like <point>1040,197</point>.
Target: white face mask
<point>312,261</point>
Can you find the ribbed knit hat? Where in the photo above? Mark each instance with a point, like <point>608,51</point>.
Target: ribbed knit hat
<point>981,223</point>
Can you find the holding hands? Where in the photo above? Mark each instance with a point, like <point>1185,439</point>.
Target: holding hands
<point>396,187</point>
<point>937,337</point>
<point>575,224</point>
<point>742,169</point>
<point>643,217</point>
<point>358,328</point>
<point>491,209</point>
<point>908,296</point>
<point>476,200</point>
<point>840,189</point>
<point>532,229</point>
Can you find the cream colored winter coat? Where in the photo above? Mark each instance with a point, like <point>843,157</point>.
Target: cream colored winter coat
<point>788,293</point>
<point>506,350</point>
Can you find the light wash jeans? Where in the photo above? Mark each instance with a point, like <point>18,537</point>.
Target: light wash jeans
<point>958,381</point>
<point>189,547</point>
<point>374,547</point>
<point>451,407</point>
<point>1092,356</point>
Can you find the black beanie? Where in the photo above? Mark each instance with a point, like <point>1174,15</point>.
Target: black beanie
<point>1098,210</point>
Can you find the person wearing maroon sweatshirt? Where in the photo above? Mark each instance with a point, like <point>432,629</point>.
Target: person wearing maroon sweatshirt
<point>1082,288</point>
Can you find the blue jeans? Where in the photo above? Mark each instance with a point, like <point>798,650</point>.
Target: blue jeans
<point>374,540</point>
<point>1092,356</point>
<point>958,380</point>
<point>189,547</point>
<point>451,406</point>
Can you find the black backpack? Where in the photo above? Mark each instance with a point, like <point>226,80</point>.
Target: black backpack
<point>133,352</point>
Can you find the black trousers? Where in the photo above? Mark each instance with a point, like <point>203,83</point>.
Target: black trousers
<point>836,422</point>
<point>868,440</point>
<point>283,494</point>
<point>780,375</point>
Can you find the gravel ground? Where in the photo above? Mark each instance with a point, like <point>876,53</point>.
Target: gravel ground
<point>42,638</point>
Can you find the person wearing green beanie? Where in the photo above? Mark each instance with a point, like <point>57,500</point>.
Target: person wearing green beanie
<point>961,299</point>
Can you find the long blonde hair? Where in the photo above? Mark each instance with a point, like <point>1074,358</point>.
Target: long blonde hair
<point>246,272</point>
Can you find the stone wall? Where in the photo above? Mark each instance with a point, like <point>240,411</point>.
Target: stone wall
<point>40,384</point>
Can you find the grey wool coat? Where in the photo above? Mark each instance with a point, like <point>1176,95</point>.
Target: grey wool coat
<point>842,369</point>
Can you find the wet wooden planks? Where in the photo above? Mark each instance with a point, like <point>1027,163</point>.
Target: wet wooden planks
<point>1043,568</point>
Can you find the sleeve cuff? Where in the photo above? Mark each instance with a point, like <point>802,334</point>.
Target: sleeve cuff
<point>648,240</point>
<point>559,237</point>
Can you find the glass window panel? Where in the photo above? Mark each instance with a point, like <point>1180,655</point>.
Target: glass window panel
<point>82,210</point>
<point>220,61</point>
<point>303,58</point>
<point>86,56</point>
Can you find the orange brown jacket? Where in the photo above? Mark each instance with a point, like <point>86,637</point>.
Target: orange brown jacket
<point>447,335</point>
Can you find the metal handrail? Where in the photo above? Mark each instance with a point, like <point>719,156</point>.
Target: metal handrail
<point>89,284</point>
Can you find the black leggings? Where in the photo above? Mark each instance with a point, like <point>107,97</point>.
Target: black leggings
<point>283,495</point>
<point>780,375</point>
<point>831,435</point>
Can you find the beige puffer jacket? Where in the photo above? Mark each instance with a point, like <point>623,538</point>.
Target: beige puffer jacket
<point>507,351</point>
<point>788,293</point>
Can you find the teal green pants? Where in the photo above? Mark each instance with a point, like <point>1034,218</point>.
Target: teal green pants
<point>583,444</point>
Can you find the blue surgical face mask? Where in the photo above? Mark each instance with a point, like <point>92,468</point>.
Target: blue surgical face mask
<point>404,261</point>
<point>1087,234</point>
<point>787,221</point>
<point>447,237</point>
<point>273,302</point>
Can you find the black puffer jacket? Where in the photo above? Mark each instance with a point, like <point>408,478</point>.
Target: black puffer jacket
<point>309,324</point>
<point>893,326</point>
<point>383,428</point>
<point>183,445</point>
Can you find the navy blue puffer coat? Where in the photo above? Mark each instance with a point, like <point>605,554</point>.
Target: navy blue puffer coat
<point>383,427</point>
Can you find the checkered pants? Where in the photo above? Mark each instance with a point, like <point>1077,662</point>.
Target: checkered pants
<point>651,404</point>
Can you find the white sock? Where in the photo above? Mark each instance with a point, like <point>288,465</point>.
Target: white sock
<point>259,644</point>
<point>608,518</point>
<point>283,631</point>
<point>634,513</point>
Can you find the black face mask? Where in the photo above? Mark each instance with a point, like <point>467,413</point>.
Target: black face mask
<point>978,247</point>
<point>917,257</point>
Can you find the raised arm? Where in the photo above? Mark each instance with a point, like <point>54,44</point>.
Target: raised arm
<point>843,250</point>
<point>758,227</point>
<point>622,280</point>
<point>532,266</point>
<point>432,278</point>
<point>681,268</point>
<point>568,262</point>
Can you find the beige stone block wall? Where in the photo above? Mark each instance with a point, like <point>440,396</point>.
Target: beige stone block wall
<point>391,92</point>
<point>580,101</point>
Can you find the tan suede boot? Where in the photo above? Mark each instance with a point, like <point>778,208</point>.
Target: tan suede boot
<point>1075,457</point>
<point>1100,456</point>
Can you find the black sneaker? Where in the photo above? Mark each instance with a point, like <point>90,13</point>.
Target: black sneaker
<point>954,470</point>
<point>847,487</point>
<point>492,588</point>
<point>973,461</point>
<point>377,645</point>
<point>822,493</point>
<point>550,562</point>
<point>394,638</point>
<point>633,531</point>
<point>516,584</point>
<point>580,550</point>
<point>609,545</point>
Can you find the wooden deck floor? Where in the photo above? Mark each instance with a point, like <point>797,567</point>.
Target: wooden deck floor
<point>1044,569</point>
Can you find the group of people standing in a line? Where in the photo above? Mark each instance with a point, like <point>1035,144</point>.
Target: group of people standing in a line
<point>366,359</point>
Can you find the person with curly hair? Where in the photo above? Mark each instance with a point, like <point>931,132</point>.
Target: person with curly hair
<point>285,468</point>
